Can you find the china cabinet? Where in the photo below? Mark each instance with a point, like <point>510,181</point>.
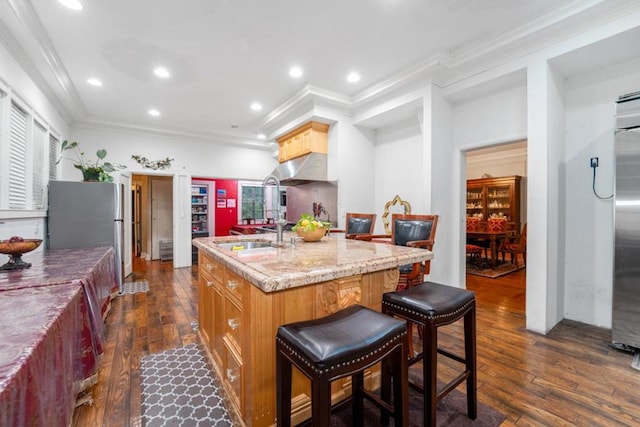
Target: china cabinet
<point>494,197</point>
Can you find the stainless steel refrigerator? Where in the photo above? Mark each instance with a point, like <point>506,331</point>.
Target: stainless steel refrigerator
<point>83,214</point>
<point>626,279</point>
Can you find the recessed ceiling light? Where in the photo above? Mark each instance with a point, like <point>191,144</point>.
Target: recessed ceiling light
<point>162,72</point>
<point>261,136</point>
<point>295,72</point>
<point>71,4</point>
<point>353,77</point>
<point>94,82</point>
<point>256,106</point>
<point>154,113</point>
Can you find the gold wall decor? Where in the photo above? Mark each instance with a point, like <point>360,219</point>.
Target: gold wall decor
<point>395,205</point>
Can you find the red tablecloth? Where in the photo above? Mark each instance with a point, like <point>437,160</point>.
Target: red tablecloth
<point>52,332</point>
<point>91,268</point>
<point>42,354</point>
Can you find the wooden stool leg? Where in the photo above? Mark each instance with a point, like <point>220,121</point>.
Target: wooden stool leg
<point>429,371</point>
<point>357,382</point>
<point>385,389</point>
<point>283,390</point>
<point>470,358</point>
<point>400,365</point>
<point>320,402</point>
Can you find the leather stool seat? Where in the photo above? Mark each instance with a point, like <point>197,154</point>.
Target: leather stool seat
<point>431,305</point>
<point>341,344</point>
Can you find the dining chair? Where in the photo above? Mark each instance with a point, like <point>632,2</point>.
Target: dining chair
<point>359,223</point>
<point>515,245</point>
<point>412,230</point>
<point>473,244</point>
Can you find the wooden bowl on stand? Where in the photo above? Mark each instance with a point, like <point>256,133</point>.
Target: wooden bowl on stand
<point>15,248</point>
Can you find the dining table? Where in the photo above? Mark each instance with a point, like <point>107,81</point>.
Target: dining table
<point>53,332</point>
<point>493,237</point>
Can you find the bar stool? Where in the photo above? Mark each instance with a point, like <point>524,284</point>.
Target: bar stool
<point>341,344</point>
<point>432,305</point>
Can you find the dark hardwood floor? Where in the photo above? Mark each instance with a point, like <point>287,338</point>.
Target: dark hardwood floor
<point>568,377</point>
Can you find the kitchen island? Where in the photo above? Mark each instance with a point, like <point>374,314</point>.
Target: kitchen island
<point>244,295</point>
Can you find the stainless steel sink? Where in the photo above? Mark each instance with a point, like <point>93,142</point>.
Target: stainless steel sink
<point>244,245</point>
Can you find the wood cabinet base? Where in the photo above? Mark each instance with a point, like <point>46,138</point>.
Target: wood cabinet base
<point>244,358</point>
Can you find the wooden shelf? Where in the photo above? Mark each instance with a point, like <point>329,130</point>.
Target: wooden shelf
<point>487,197</point>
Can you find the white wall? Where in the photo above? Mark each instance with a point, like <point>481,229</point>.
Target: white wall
<point>494,118</point>
<point>398,168</point>
<point>351,151</point>
<point>590,109</point>
<point>196,157</point>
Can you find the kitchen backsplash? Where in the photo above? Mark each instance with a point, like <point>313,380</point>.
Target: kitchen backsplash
<point>300,199</point>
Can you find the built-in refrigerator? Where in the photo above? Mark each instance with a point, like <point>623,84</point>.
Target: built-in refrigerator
<point>86,214</point>
<point>626,278</point>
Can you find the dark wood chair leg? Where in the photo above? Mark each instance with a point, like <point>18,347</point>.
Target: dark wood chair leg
<point>429,371</point>
<point>357,382</point>
<point>385,388</point>
<point>320,403</point>
<point>400,387</point>
<point>283,391</point>
<point>471,365</point>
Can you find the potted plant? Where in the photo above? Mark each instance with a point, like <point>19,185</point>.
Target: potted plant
<point>91,171</point>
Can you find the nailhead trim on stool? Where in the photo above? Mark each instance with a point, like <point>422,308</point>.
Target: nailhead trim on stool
<point>432,305</point>
<point>342,344</point>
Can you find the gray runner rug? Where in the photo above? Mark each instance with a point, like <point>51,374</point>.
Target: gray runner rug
<point>178,389</point>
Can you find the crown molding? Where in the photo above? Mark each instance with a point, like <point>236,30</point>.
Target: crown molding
<point>23,60</point>
<point>485,47</point>
<point>174,133</point>
<point>67,93</point>
<point>445,68</point>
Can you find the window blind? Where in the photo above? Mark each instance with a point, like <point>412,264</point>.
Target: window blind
<point>38,172</point>
<point>54,146</point>
<point>17,158</point>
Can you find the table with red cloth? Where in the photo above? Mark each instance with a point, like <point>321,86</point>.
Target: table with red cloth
<point>53,332</point>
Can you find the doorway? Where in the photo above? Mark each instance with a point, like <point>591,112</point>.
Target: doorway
<point>503,160</point>
<point>152,214</point>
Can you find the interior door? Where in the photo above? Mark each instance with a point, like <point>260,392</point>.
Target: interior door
<point>136,225</point>
<point>161,213</point>
<point>124,178</point>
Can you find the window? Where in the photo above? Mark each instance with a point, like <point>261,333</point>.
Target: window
<point>17,157</point>
<point>27,157</point>
<point>251,201</point>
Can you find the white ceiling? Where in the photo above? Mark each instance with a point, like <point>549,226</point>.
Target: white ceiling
<point>226,54</point>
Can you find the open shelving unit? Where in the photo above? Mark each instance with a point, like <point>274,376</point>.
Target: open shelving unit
<point>199,215</point>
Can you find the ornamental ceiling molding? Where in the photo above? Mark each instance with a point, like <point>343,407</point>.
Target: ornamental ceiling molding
<point>443,68</point>
<point>173,133</point>
<point>62,87</point>
<point>14,49</point>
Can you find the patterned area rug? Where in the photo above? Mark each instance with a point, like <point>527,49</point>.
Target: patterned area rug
<point>451,411</point>
<point>482,267</point>
<point>178,389</point>
<point>135,287</point>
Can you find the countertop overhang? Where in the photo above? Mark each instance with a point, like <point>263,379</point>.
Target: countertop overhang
<point>305,263</point>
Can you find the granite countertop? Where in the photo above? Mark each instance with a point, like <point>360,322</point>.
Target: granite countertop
<point>272,269</point>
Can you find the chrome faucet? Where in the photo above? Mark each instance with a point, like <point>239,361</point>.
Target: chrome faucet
<point>280,222</point>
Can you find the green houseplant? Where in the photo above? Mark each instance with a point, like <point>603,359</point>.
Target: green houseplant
<point>91,171</point>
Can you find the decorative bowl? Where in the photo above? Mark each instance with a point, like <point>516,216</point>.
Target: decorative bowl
<point>312,235</point>
<point>18,247</point>
<point>15,249</point>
